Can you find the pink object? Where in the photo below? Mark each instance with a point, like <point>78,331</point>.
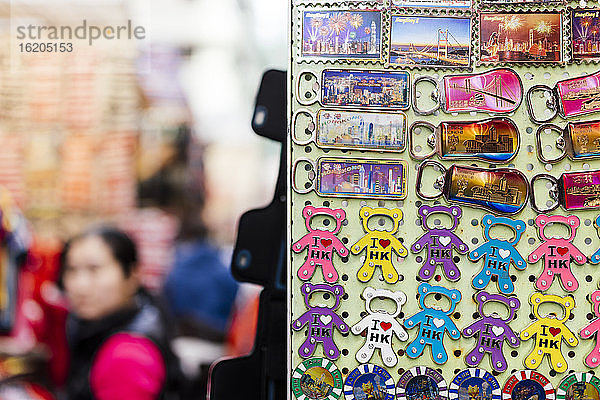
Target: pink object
<point>499,91</point>
<point>593,359</point>
<point>128,366</point>
<point>557,253</point>
<point>321,244</point>
<point>578,95</point>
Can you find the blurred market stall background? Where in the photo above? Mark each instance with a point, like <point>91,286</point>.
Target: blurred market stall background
<point>143,133</point>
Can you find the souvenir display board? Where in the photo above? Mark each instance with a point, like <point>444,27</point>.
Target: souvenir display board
<point>444,199</point>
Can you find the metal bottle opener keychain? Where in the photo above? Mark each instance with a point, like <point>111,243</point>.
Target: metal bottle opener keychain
<point>495,140</point>
<point>497,91</point>
<point>379,327</point>
<point>320,321</point>
<point>379,245</point>
<point>439,243</point>
<point>491,331</point>
<point>578,190</point>
<point>568,98</point>
<point>498,254</point>
<point>557,253</point>
<point>592,329</point>
<point>434,323</point>
<point>351,88</point>
<point>500,190</point>
<point>595,258</point>
<point>549,332</point>
<point>354,177</point>
<point>577,141</point>
<point>320,244</point>
<point>356,130</point>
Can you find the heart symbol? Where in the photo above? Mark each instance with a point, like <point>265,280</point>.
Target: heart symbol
<point>326,242</point>
<point>385,325</point>
<point>504,253</point>
<point>554,331</point>
<point>438,322</point>
<point>562,250</point>
<point>325,319</point>
<point>445,240</point>
<point>498,330</point>
<point>384,243</point>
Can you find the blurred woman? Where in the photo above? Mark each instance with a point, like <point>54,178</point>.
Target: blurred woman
<point>117,334</point>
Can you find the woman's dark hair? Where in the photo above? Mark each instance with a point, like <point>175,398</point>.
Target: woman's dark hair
<point>120,244</point>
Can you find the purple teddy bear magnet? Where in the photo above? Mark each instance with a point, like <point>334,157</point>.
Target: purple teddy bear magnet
<point>439,243</point>
<point>321,320</point>
<point>492,331</point>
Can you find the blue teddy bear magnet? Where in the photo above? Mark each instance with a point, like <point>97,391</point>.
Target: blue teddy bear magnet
<point>434,322</point>
<point>498,254</point>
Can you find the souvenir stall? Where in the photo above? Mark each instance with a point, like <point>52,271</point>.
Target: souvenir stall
<point>444,200</point>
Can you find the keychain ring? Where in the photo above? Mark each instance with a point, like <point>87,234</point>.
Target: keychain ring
<point>437,97</point>
<point>535,178</point>
<point>531,112</point>
<point>420,169</point>
<point>314,167</point>
<point>313,137</point>
<point>538,143</point>
<point>412,128</point>
<point>298,98</point>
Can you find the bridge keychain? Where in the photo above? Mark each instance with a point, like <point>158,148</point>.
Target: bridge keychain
<point>321,244</point>
<point>568,98</point>
<point>379,326</point>
<point>595,258</point>
<point>352,88</point>
<point>579,190</point>
<point>557,253</point>
<point>321,320</point>
<point>495,140</point>
<point>379,245</point>
<point>498,254</point>
<point>317,378</point>
<point>434,322</point>
<point>499,190</point>
<point>497,91</point>
<point>577,141</point>
<point>492,331</point>
<point>474,383</point>
<point>439,243</point>
<point>549,332</point>
<point>593,359</point>
<point>354,130</point>
<point>354,177</point>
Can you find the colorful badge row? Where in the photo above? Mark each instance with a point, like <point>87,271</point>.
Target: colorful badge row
<point>320,379</point>
<point>380,245</point>
<point>445,42</point>
<point>379,326</point>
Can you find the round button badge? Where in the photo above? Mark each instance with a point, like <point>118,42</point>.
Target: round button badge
<point>318,379</point>
<point>421,383</point>
<point>369,381</point>
<point>528,384</point>
<point>579,386</point>
<point>474,383</point>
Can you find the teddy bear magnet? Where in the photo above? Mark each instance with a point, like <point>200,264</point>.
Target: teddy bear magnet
<point>433,323</point>
<point>379,245</point>
<point>557,253</point>
<point>498,254</point>
<point>549,332</point>
<point>321,321</point>
<point>439,243</point>
<point>379,326</point>
<point>593,359</point>
<point>321,244</point>
<point>492,331</point>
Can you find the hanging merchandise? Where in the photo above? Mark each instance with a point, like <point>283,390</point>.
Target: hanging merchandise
<point>426,132</point>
